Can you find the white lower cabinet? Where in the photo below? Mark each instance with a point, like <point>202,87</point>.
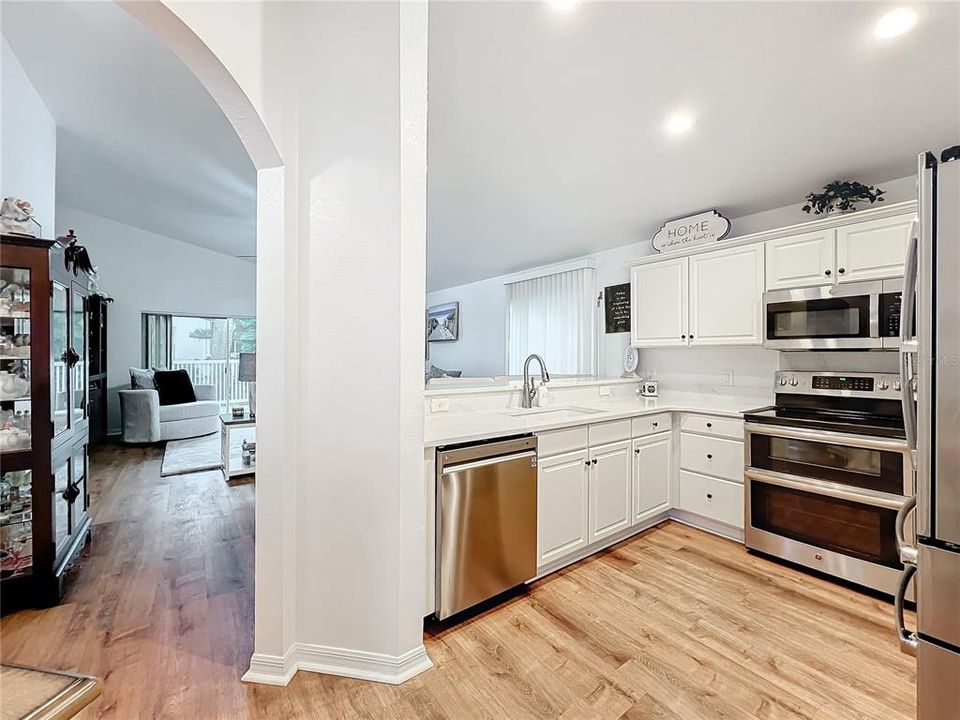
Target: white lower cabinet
<point>609,489</point>
<point>562,497</point>
<point>713,498</point>
<point>652,470</point>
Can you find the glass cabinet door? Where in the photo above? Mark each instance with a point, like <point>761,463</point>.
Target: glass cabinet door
<point>16,523</point>
<point>61,506</point>
<point>79,480</point>
<point>78,359</point>
<point>15,360</point>
<point>59,356</point>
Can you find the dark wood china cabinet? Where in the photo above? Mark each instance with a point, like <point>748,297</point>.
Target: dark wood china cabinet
<point>44,423</point>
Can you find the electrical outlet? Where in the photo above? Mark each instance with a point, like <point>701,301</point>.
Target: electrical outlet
<point>439,405</point>
<point>604,391</point>
<point>726,377</point>
<point>650,374</point>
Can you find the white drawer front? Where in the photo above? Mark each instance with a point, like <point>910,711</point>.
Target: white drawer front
<point>609,432</point>
<point>712,425</point>
<point>651,424</point>
<point>712,456</point>
<point>561,441</point>
<point>712,498</point>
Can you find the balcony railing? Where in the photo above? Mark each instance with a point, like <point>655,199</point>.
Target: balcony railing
<point>222,374</point>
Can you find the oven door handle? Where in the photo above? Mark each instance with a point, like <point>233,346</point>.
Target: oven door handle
<point>826,436</point>
<point>908,553</point>
<point>819,487</point>
<point>908,640</point>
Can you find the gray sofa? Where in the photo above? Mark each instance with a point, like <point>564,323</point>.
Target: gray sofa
<point>144,420</point>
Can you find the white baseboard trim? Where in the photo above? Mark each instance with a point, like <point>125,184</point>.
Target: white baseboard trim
<point>708,524</point>
<point>357,664</point>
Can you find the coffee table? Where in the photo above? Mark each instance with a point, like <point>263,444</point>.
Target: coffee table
<point>231,454</point>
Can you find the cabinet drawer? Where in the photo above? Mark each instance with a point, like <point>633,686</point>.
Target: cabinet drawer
<point>712,498</point>
<point>561,441</point>
<point>712,456</point>
<point>650,424</point>
<point>712,425</point>
<point>609,432</point>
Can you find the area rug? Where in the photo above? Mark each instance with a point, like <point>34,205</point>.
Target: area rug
<point>28,692</point>
<point>192,455</point>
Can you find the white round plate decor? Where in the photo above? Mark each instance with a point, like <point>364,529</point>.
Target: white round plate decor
<point>631,358</point>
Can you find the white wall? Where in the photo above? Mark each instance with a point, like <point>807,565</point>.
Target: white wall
<point>481,351</point>
<point>146,272</point>
<point>28,142</point>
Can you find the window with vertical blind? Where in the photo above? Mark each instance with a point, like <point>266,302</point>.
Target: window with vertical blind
<point>552,316</point>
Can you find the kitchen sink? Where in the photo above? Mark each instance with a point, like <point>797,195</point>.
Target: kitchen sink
<point>556,413</point>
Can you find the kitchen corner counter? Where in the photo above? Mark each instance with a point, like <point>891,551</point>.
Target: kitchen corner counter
<point>457,427</point>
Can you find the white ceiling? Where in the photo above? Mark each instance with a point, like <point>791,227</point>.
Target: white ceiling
<point>139,139</point>
<point>545,129</point>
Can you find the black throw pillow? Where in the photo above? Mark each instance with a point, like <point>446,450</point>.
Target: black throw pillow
<point>174,387</point>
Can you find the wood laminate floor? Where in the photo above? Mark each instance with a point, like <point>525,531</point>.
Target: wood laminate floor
<point>675,623</point>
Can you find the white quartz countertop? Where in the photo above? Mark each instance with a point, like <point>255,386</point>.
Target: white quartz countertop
<point>458,427</point>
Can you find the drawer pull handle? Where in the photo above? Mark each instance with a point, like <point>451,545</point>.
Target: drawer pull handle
<point>709,496</point>
<point>709,456</point>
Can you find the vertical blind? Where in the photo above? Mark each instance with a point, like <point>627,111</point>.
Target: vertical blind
<point>553,317</point>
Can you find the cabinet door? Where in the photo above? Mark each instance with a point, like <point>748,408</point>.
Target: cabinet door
<point>61,505</point>
<point>726,297</point>
<point>609,489</point>
<point>652,470</point>
<point>561,505</point>
<point>801,260</point>
<point>873,249</point>
<point>59,357</point>
<point>79,386</point>
<point>658,299</point>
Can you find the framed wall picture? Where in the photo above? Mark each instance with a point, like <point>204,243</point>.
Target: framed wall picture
<point>443,322</point>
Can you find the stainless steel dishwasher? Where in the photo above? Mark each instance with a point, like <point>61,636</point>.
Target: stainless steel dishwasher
<point>486,521</point>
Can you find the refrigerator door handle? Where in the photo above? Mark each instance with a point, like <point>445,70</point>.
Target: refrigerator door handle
<point>908,345</point>
<point>908,640</point>
<point>908,553</point>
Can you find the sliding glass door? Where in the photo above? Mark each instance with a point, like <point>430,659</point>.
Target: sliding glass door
<point>208,348</point>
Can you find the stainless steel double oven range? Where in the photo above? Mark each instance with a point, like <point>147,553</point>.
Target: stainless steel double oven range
<point>827,469</point>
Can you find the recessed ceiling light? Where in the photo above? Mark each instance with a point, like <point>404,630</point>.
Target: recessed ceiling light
<point>564,6</point>
<point>678,123</point>
<point>894,23</point>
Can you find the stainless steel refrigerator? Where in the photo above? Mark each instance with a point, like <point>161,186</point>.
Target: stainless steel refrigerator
<point>930,370</point>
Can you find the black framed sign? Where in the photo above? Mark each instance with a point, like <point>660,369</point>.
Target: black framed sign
<point>616,302</point>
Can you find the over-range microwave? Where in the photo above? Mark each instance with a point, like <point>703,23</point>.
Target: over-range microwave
<point>854,316</point>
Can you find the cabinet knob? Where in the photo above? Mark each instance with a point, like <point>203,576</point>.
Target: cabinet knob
<point>683,337</point>
<point>709,425</point>
<point>709,496</point>
<point>587,464</point>
<point>656,424</point>
<point>637,450</point>
<point>691,337</point>
<point>841,270</point>
<point>828,273</point>
<point>709,456</point>
<point>594,461</point>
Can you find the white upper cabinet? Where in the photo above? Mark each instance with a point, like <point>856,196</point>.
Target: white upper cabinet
<point>873,249</point>
<point>801,260</point>
<point>659,304</point>
<point>726,297</point>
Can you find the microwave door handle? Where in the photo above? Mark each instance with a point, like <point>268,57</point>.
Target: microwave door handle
<point>908,640</point>
<point>908,345</point>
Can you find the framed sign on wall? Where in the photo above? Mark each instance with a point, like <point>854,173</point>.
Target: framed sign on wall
<point>690,231</point>
<point>616,302</point>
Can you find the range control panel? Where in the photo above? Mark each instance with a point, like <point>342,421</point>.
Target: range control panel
<point>843,382</point>
<point>879,385</point>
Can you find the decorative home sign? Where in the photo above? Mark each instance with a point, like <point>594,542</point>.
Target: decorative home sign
<point>687,232</point>
<point>443,322</point>
<point>616,301</point>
